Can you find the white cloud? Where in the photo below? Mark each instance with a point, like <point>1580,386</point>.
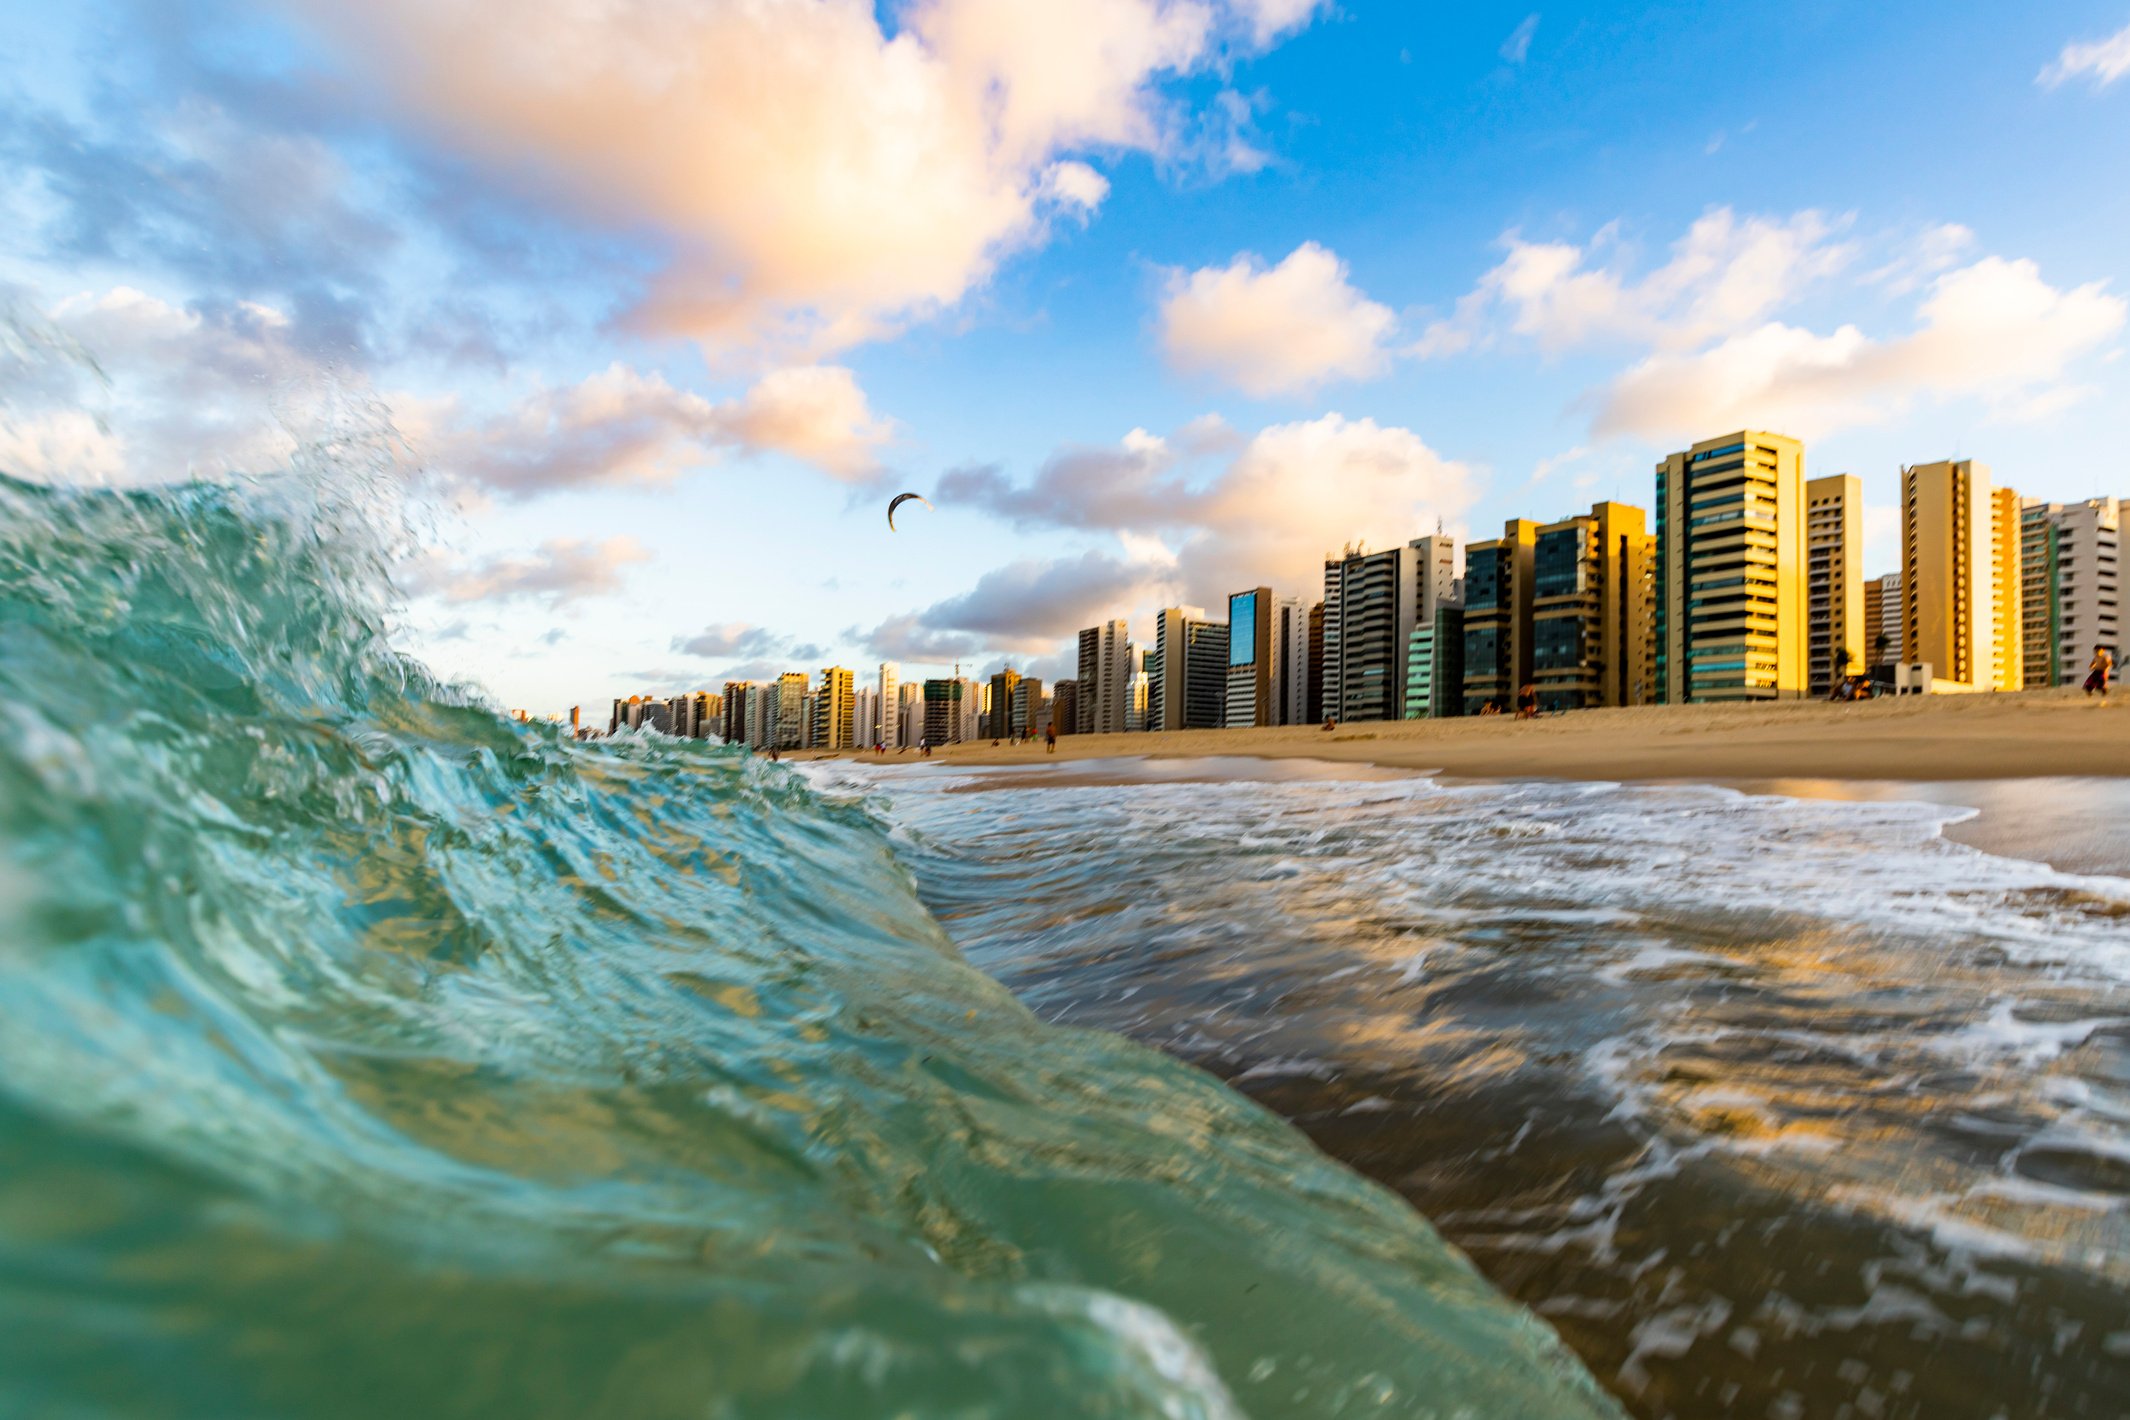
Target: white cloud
<point>812,412</point>
<point>559,571</point>
<point>1724,273</point>
<point>1993,331</point>
<point>623,426</point>
<point>126,388</point>
<point>1027,605</point>
<point>1076,185</point>
<point>1517,47</point>
<point>1279,330</point>
<point>1935,251</point>
<point>820,181</point>
<point>1194,517</point>
<point>61,446</point>
<point>129,388</point>
<point>1269,19</point>
<point>2103,61</point>
<point>1281,500</point>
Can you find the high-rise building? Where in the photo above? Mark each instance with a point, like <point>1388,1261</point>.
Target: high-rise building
<point>890,731</point>
<point>942,712</point>
<point>1290,662</point>
<point>1205,687</point>
<point>911,727</point>
<point>1167,667</point>
<point>865,717</point>
<point>835,710</point>
<point>1882,621</point>
<point>1834,581</point>
<point>1373,598</point>
<point>2089,584</point>
<point>1253,660</point>
<point>998,720</point>
<point>2038,607</point>
<point>972,708</point>
<point>1498,604</point>
<point>1960,576</point>
<point>735,732</point>
<point>764,705</point>
<point>1593,610</point>
<point>680,714</point>
<point>1438,578</point>
<point>794,723</point>
<point>1089,667</point>
<point>1105,672</point>
<point>1327,637</point>
<point>1024,706</point>
<point>1135,702</point>
<point>1065,707</point>
<point>1156,684</point>
<point>2008,581</point>
<point>1434,666</point>
<point>1730,570</point>
<point>1313,692</point>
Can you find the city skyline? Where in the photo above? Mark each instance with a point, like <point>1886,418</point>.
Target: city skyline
<point>1212,290</point>
<point>1747,585</point>
<point>1828,624</point>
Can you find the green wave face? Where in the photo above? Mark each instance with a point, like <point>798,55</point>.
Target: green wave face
<point>365,1053</point>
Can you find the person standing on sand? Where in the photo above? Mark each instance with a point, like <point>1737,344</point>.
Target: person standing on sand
<point>1050,739</point>
<point>2100,671</point>
<point>1527,702</point>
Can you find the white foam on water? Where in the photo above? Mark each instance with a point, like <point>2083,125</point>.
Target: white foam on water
<point>1827,1001</point>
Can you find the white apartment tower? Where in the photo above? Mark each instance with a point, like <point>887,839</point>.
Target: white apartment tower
<point>1105,679</point>
<point>1439,576</point>
<point>909,720</point>
<point>2089,584</point>
<point>890,702</point>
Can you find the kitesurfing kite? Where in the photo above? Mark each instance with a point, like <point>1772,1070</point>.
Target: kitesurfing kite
<point>899,500</point>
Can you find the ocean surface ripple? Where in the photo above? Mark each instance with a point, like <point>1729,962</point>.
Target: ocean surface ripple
<point>365,1053</point>
<point>1775,1107</point>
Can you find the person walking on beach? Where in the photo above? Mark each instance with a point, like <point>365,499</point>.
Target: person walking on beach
<point>2100,671</point>
<point>1050,739</point>
<point>1527,702</point>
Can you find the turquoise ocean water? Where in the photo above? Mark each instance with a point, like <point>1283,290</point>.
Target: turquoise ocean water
<point>365,1053</point>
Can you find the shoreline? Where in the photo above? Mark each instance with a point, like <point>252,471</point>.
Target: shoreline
<point>2047,734</point>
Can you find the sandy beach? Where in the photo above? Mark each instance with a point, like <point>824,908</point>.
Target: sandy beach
<point>2035,734</point>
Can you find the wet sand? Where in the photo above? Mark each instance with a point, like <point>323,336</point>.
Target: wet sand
<point>1922,739</point>
<point>2074,825</point>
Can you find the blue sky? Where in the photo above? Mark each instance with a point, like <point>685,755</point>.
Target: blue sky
<point>1157,299</point>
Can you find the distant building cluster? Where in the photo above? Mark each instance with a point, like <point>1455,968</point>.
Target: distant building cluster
<point>1746,585</point>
